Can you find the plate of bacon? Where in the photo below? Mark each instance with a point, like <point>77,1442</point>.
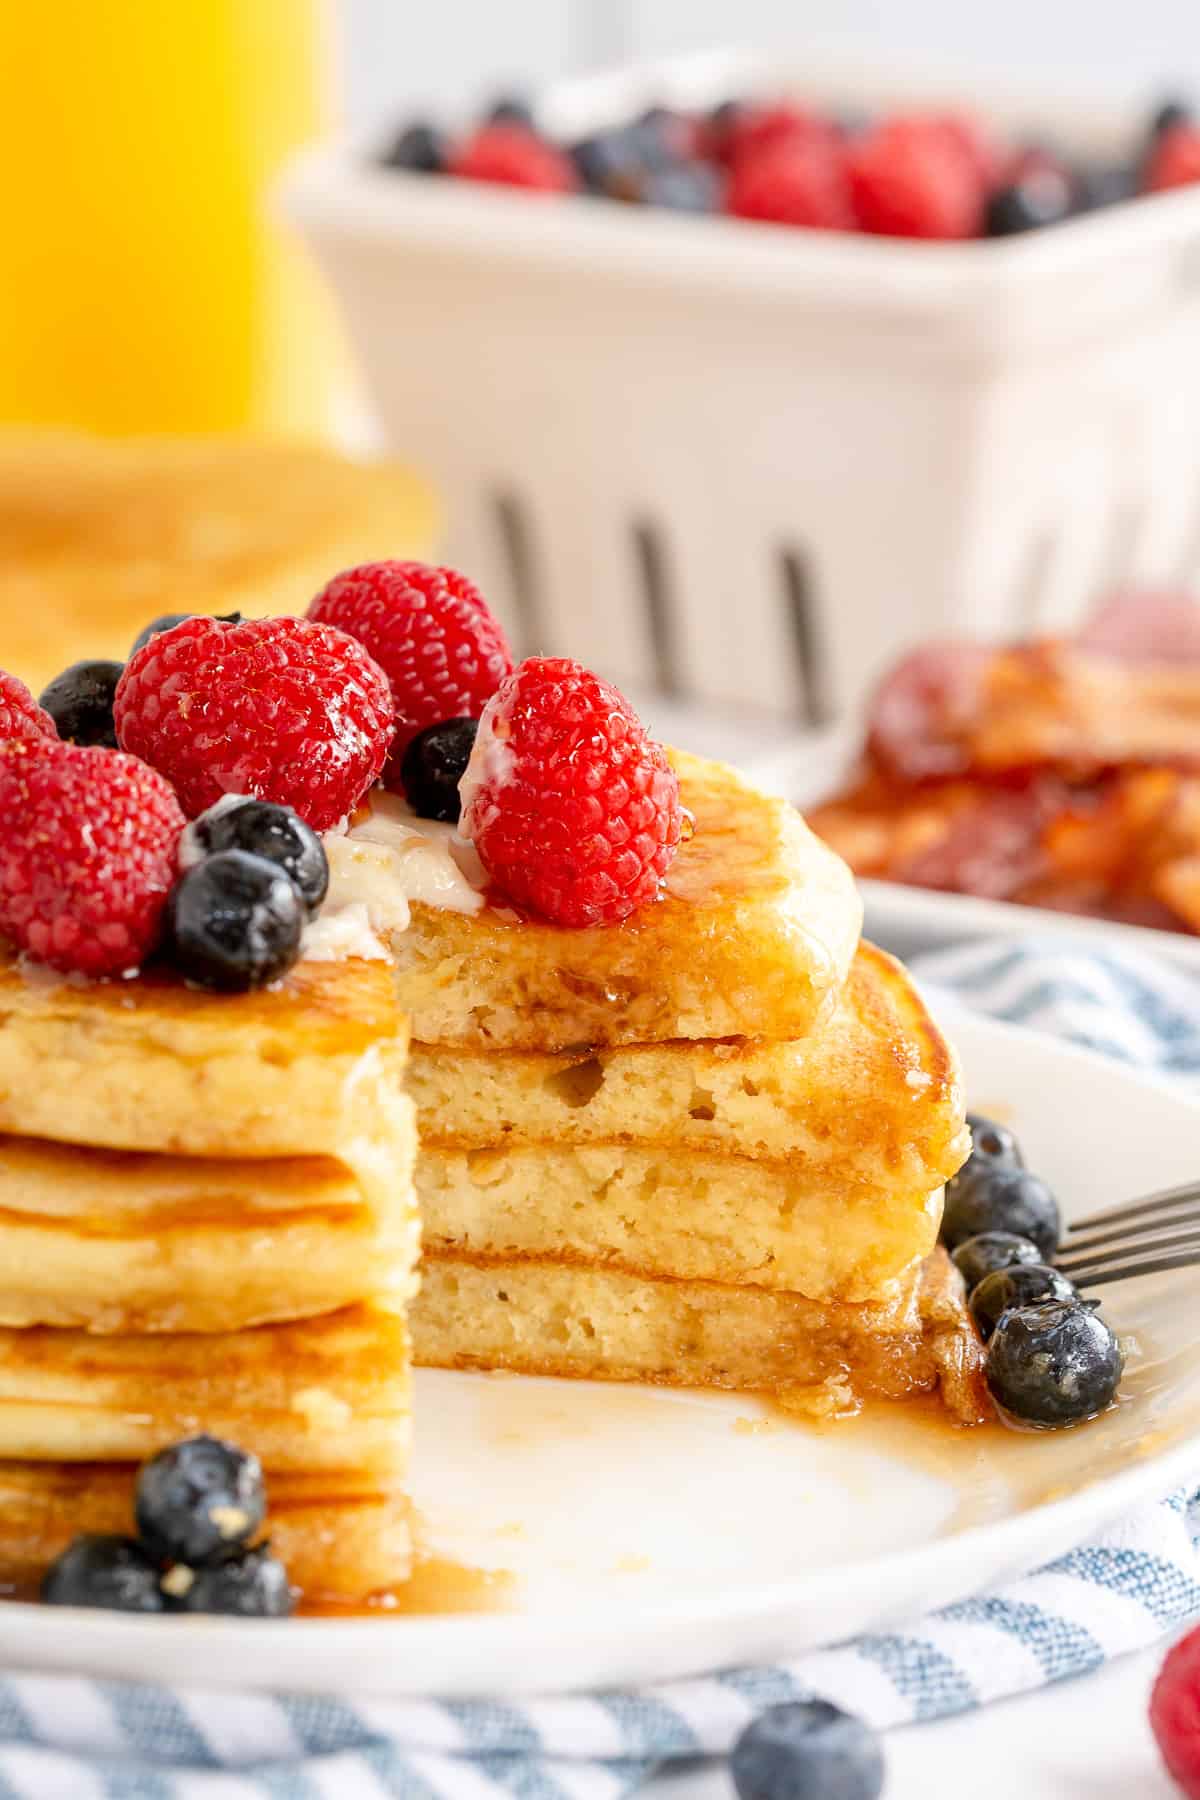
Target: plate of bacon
<point>1001,787</point>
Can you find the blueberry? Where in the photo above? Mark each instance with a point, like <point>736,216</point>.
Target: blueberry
<point>198,1502</point>
<point>263,829</point>
<point>419,147</point>
<point>610,162</point>
<point>1044,196</point>
<point>683,187</point>
<point>1023,1284</point>
<point>979,1256</point>
<point>1104,184</point>
<point>80,701</point>
<point>433,765</point>
<point>1000,1199</point>
<point>252,1584</point>
<point>101,1570</point>
<point>167,622</point>
<point>1170,113</point>
<point>664,135</point>
<point>807,1750</point>
<point>511,109</point>
<point>991,1145</point>
<point>234,922</point>
<point>1056,1363</point>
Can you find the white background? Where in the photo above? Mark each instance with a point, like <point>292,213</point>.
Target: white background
<point>402,52</point>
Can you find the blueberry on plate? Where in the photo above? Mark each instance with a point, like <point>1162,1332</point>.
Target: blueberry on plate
<point>807,1750</point>
<point>80,701</point>
<point>98,1569</point>
<point>1056,1363</point>
<point>233,922</point>
<point>1001,1199</point>
<point>262,828</point>
<point>979,1256</point>
<point>419,147</point>
<point>252,1584</point>
<point>168,622</point>
<point>199,1501</point>
<point>433,765</point>
<point>1021,1284</point>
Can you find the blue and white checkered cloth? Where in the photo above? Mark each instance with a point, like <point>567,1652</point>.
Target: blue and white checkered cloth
<point>73,1739</point>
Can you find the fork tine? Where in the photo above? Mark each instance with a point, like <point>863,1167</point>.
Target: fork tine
<point>1152,1265</point>
<point>1163,1201</point>
<point>1135,1229</point>
<point>1149,1246</point>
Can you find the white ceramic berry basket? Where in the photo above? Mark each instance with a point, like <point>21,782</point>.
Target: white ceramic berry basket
<point>747,465</point>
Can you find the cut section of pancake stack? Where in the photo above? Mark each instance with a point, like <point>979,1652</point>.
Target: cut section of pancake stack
<point>705,1147</point>
<point>207,1224</point>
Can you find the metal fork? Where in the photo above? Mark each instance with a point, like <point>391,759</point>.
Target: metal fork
<point>1144,1238</point>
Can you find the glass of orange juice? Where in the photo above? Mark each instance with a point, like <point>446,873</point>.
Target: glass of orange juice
<point>144,283</point>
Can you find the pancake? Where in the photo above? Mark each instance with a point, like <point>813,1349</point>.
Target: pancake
<point>314,1395</point>
<point>304,1067</point>
<point>341,1538</point>
<point>99,536</point>
<point>874,1096</point>
<point>753,936</point>
<point>122,1241</point>
<point>547,1318</point>
<point>675,1213</point>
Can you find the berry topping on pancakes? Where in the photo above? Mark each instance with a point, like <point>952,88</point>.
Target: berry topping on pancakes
<point>573,808</point>
<point>288,710</point>
<point>88,845</point>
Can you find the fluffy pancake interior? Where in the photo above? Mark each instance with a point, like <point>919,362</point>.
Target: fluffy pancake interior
<point>675,1213</point>
<point>874,1096</point>
<point>545,1318</point>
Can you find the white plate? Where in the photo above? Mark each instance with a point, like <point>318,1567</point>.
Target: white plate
<point>654,1534</point>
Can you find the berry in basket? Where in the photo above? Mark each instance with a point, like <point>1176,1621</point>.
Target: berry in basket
<point>928,174</point>
<point>1061,772</point>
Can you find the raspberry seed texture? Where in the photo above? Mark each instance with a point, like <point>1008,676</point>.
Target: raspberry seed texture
<point>285,710</point>
<point>574,810</point>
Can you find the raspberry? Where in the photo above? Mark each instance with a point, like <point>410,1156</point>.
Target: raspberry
<point>573,809</point>
<point>88,846</point>
<point>757,128</point>
<point>514,156</point>
<point>280,709</point>
<point>1174,161</point>
<point>1175,1713</point>
<point>976,143</point>
<point>794,182</point>
<point>431,633</point>
<point>913,178</point>
<point>20,715</point>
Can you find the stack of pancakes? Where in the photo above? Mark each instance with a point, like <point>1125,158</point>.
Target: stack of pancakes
<point>706,1146</point>
<point>207,1223</point>
<point>100,535</point>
